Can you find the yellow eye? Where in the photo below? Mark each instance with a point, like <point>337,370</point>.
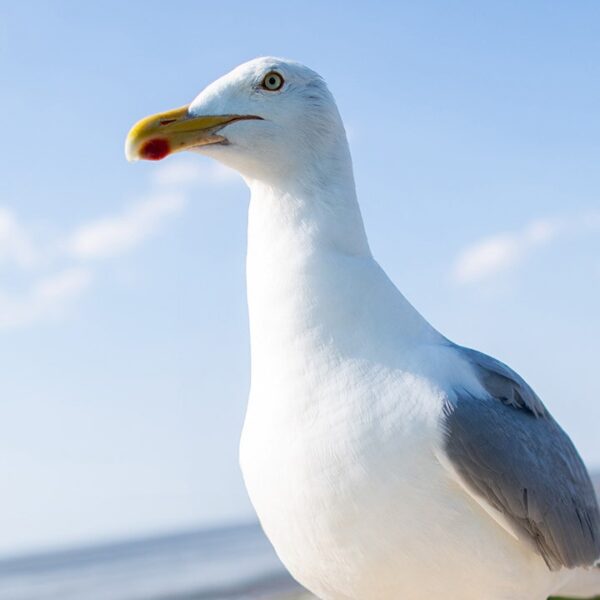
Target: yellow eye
<point>273,81</point>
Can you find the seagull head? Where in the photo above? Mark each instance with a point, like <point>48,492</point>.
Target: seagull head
<point>269,119</point>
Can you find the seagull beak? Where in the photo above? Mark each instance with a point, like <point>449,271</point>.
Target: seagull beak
<point>162,134</point>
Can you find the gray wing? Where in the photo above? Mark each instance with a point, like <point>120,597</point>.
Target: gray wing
<point>510,451</point>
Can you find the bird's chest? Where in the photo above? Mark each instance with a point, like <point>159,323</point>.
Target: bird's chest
<point>326,461</point>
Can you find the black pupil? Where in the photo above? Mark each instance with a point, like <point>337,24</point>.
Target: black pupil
<point>272,80</point>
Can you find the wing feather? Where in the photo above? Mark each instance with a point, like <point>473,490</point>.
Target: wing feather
<point>509,451</point>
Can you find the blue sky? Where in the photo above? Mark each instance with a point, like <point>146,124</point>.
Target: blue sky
<point>123,332</point>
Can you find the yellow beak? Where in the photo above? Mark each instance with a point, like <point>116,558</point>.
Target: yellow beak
<point>162,134</point>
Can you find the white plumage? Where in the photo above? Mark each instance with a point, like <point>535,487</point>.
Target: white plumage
<point>357,449</point>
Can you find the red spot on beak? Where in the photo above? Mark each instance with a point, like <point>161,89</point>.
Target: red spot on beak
<point>155,149</point>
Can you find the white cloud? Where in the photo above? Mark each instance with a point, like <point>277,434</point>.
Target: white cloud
<point>486,257</point>
<point>47,298</point>
<point>184,172</point>
<point>64,284</point>
<point>110,236</point>
<point>504,251</point>
<point>102,238</point>
<point>15,244</point>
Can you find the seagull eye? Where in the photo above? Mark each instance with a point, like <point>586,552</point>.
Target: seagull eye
<point>272,81</point>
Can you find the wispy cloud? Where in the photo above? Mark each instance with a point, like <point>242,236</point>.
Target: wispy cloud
<point>112,236</point>
<point>192,172</point>
<point>16,246</point>
<point>58,271</point>
<point>48,297</point>
<point>502,252</point>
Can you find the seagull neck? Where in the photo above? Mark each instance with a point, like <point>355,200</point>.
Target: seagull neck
<point>299,240</point>
<point>307,216</point>
<point>313,284</point>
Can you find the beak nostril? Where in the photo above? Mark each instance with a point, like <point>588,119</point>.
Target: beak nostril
<point>167,121</point>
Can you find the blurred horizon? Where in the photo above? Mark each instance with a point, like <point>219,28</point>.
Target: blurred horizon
<point>123,330</point>
<point>156,535</point>
<point>221,563</point>
<point>228,562</point>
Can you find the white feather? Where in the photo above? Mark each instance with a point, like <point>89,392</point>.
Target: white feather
<point>343,431</point>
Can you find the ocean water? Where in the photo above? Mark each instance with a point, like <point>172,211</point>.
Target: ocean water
<point>227,563</point>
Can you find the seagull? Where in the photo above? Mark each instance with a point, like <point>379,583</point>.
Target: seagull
<point>384,461</point>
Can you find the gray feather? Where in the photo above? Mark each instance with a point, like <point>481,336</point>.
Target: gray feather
<point>510,451</point>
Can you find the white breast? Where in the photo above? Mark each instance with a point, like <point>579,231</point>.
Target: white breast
<point>349,490</point>
<point>325,463</point>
